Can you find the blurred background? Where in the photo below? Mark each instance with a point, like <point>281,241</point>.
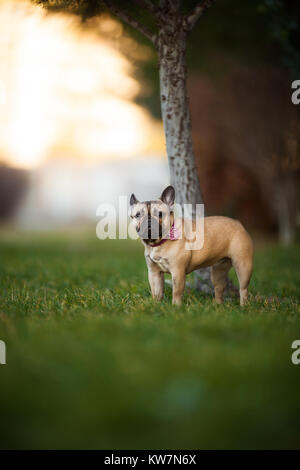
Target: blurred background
<point>92,361</point>
<point>80,115</point>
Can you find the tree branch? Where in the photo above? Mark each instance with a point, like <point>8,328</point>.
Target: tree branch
<point>130,20</point>
<point>148,5</point>
<point>173,5</point>
<point>191,18</point>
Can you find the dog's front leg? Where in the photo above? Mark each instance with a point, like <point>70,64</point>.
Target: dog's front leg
<point>156,281</point>
<point>178,281</point>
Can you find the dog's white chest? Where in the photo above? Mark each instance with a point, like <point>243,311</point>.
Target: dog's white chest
<point>163,263</point>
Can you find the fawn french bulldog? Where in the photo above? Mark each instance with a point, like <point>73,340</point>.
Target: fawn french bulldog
<point>168,250</point>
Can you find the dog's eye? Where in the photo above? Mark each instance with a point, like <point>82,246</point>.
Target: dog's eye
<point>138,214</point>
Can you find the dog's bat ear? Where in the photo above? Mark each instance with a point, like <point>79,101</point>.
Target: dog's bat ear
<point>133,199</point>
<point>168,196</point>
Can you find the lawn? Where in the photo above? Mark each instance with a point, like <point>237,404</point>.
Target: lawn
<point>93,362</point>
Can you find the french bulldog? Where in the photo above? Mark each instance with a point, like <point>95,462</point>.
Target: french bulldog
<point>225,243</point>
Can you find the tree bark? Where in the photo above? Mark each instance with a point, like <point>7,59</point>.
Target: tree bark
<point>176,115</point>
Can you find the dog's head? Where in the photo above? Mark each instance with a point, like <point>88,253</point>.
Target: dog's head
<point>153,219</point>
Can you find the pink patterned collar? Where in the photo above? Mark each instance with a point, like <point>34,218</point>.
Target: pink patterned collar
<point>173,235</point>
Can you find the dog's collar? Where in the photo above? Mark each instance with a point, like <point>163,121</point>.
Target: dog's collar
<point>173,235</point>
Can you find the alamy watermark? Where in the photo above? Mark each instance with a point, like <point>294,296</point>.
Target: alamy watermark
<point>296,93</point>
<point>296,354</point>
<point>119,222</point>
<point>2,352</point>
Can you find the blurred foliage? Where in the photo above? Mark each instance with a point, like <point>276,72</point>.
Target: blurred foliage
<point>284,21</point>
<point>93,362</point>
<point>251,31</point>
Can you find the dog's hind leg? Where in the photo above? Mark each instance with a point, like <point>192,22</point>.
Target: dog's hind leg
<point>244,269</point>
<point>219,273</point>
<point>242,260</point>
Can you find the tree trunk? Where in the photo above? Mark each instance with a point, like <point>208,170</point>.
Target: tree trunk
<point>176,118</point>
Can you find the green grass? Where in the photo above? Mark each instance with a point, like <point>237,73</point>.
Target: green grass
<point>93,362</point>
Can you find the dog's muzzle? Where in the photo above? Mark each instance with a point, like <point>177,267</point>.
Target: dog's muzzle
<point>150,229</point>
